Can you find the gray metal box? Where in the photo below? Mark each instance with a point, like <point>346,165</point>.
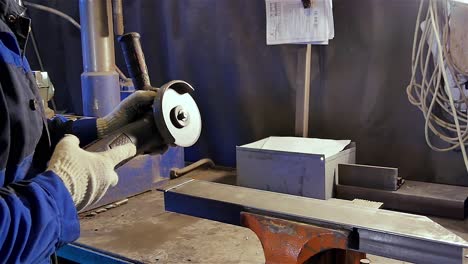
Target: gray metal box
<point>309,175</point>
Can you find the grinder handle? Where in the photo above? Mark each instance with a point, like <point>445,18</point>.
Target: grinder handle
<point>135,60</point>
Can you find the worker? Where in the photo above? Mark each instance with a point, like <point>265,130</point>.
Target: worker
<point>45,175</point>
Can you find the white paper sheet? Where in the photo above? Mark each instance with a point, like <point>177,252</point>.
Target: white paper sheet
<point>289,22</point>
<point>327,147</point>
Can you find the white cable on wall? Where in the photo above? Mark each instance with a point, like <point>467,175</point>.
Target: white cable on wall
<point>433,77</point>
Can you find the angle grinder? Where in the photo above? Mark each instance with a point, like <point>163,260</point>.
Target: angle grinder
<point>173,121</point>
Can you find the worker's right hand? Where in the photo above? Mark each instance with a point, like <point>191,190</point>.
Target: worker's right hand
<point>129,110</point>
<point>87,175</point>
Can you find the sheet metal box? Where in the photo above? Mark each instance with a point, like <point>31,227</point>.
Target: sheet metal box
<point>308,175</point>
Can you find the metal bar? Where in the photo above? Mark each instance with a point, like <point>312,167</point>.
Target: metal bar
<point>415,197</point>
<point>382,178</point>
<point>79,253</point>
<point>117,11</point>
<point>224,203</point>
<point>302,99</point>
<point>408,249</point>
<point>99,81</point>
<point>176,172</point>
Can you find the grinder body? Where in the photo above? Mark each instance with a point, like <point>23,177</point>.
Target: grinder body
<point>142,133</point>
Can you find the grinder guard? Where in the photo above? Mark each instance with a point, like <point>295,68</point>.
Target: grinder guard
<point>176,114</point>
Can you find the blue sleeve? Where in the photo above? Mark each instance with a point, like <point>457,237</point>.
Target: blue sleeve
<point>36,217</point>
<point>85,129</point>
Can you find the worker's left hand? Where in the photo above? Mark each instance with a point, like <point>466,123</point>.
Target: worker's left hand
<point>87,175</point>
<point>126,112</point>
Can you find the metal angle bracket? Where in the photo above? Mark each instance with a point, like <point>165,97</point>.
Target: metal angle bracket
<point>395,235</point>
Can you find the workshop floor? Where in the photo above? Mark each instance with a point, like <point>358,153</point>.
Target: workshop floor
<point>143,231</point>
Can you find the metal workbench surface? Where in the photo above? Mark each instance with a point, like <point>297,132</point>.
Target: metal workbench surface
<point>142,230</point>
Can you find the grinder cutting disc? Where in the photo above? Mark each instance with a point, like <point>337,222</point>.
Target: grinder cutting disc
<point>176,114</point>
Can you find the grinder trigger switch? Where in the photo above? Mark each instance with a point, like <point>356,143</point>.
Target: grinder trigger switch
<point>120,141</point>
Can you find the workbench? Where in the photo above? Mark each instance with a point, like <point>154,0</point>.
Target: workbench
<point>142,230</point>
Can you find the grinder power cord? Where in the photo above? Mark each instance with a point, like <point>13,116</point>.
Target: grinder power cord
<point>87,175</point>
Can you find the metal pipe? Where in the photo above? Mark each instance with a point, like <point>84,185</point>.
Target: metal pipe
<point>99,81</point>
<point>176,173</point>
<point>117,11</point>
<point>97,37</point>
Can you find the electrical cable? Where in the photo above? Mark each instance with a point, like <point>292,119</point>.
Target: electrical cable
<point>39,60</point>
<point>53,11</point>
<point>432,91</point>
<point>36,50</point>
<point>69,19</point>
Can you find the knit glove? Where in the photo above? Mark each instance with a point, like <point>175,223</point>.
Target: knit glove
<point>126,112</point>
<point>87,175</point>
